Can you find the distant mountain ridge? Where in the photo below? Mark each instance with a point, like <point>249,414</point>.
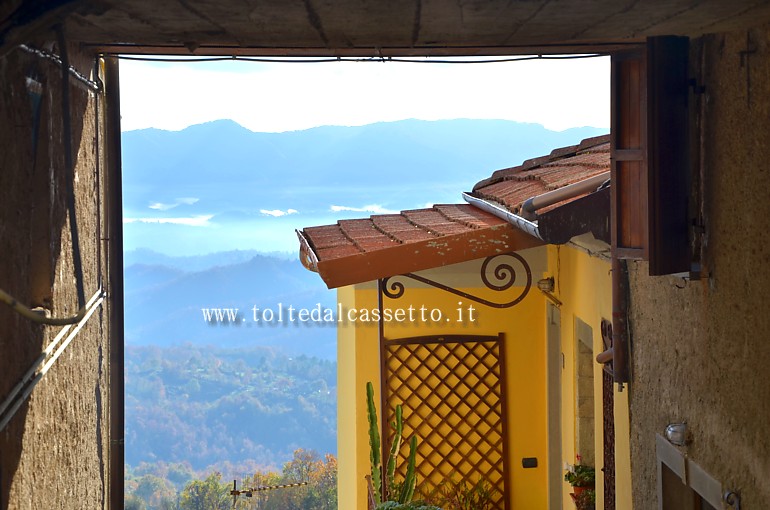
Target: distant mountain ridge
<point>164,302</point>
<point>238,189</point>
<point>412,150</point>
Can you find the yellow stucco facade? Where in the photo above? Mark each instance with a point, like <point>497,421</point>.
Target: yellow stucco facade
<point>539,384</point>
<point>583,285</point>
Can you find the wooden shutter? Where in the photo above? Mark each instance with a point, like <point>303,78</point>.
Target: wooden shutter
<point>650,155</point>
<point>668,154</point>
<point>628,140</point>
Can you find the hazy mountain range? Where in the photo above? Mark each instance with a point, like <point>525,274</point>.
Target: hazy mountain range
<point>165,298</point>
<point>218,186</point>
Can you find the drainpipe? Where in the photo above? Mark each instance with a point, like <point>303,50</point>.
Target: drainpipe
<point>114,250</point>
<point>531,205</point>
<point>620,321</point>
<point>523,224</point>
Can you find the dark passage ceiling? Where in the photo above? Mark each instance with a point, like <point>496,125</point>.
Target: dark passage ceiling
<point>371,27</point>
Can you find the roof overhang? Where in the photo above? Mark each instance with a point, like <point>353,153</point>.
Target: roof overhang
<point>416,256</point>
<point>590,213</point>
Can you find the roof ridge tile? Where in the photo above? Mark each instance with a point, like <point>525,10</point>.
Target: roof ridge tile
<point>594,141</point>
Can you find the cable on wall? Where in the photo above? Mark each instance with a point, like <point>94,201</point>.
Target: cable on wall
<point>81,79</point>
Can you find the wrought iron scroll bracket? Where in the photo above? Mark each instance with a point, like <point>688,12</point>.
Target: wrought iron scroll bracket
<point>503,272</point>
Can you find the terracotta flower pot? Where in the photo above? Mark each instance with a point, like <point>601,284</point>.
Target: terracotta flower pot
<point>578,490</point>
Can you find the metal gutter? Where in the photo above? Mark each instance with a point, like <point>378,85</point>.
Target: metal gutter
<point>503,213</point>
<point>531,205</point>
<point>307,255</point>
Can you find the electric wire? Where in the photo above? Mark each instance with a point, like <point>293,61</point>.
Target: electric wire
<point>82,79</point>
<point>321,60</point>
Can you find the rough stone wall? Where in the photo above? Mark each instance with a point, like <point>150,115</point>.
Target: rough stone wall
<point>701,350</point>
<point>53,454</point>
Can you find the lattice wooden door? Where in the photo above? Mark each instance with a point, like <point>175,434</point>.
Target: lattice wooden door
<point>608,418</point>
<point>451,391</point>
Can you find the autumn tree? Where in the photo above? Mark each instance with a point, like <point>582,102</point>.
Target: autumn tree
<point>208,494</point>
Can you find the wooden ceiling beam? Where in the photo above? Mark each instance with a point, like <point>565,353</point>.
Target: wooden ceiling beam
<point>362,52</point>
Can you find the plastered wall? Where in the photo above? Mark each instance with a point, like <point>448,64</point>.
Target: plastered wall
<point>701,350</point>
<point>53,453</point>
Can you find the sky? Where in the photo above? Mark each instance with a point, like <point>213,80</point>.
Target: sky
<point>277,97</point>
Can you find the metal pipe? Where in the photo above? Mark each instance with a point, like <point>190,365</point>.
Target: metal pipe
<point>4,420</point>
<point>522,223</point>
<point>620,321</point>
<point>43,355</point>
<point>39,315</point>
<point>531,205</point>
<point>114,211</point>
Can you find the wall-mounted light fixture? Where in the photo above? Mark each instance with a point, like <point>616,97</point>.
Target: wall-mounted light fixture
<point>547,286</point>
<point>676,433</point>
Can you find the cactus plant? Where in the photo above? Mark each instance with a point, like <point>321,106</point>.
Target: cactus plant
<point>374,444</point>
<point>398,427</point>
<point>399,492</point>
<point>410,480</point>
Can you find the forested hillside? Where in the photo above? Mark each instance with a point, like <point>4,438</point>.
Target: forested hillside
<point>208,406</point>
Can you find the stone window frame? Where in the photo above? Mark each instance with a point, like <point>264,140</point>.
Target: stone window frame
<point>692,475</point>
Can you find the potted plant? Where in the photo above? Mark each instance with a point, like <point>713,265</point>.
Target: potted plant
<point>586,500</point>
<point>581,477</point>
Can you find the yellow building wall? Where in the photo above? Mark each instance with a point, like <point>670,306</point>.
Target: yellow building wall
<point>524,329</point>
<point>358,355</point>
<point>583,284</point>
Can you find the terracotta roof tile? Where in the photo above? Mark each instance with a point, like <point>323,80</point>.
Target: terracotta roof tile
<point>363,249</point>
<point>376,243</point>
<point>469,215</point>
<point>565,175</point>
<point>594,142</point>
<point>412,236</point>
<point>337,252</point>
<point>393,223</point>
<point>590,159</point>
<point>510,195</point>
<point>562,152</point>
<point>357,229</point>
<point>327,236</point>
<point>433,221</point>
<point>567,165</point>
